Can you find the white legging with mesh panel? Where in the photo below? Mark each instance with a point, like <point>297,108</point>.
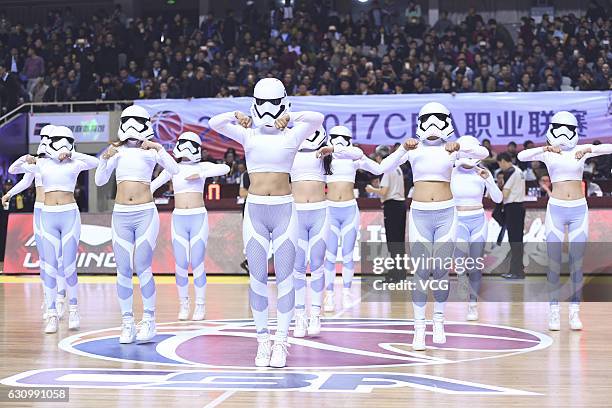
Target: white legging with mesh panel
<point>270,220</point>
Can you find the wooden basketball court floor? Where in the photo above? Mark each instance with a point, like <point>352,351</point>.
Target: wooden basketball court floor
<point>362,358</point>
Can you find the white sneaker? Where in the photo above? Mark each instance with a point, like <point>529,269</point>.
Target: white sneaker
<point>574,317</point>
<point>347,297</point>
<point>418,339</point>
<point>329,305</point>
<point>74,321</point>
<point>472,314</point>
<point>146,330</point>
<point>184,309</point>
<point>554,318</point>
<point>60,306</point>
<point>199,312</point>
<point>314,325</point>
<point>52,322</point>
<point>264,351</point>
<point>279,354</point>
<point>438,328</point>
<point>301,323</point>
<point>128,330</point>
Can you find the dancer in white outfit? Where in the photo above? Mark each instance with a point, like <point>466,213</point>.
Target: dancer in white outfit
<point>135,222</point>
<point>23,184</point>
<point>468,185</point>
<point>433,218</point>
<point>190,219</point>
<point>60,219</point>
<point>308,176</point>
<point>567,208</point>
<point>270,215</point>
<point>342,212</point>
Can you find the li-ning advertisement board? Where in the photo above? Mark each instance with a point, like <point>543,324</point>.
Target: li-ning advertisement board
<point>224,252</point>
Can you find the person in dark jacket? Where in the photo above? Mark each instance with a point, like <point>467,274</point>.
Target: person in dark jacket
<point>200,86</point>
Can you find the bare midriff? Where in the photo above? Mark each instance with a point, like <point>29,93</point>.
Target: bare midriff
<point>567,190</point>
<point>269,184</point>
<point>340,191</point>
<point>133,193</point>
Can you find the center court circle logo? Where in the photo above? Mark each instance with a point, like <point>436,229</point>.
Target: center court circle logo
<point>343,343</point>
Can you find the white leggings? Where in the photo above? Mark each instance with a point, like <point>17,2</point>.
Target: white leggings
<point>573,214</point>
<point>61,232</point>
<point>135,229</point>
<point>312,230</point>
<point>343,220</point>
<point>431,232</point>
<point>189,239</point>
<point>38,238</point>
<point>270,220</point>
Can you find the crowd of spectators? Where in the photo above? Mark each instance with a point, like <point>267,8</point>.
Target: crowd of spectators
<point>314,50</point>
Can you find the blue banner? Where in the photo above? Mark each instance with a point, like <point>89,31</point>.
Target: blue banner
<point>387,119</point>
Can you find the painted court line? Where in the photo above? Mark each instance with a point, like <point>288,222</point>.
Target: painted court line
<point>221,398</point>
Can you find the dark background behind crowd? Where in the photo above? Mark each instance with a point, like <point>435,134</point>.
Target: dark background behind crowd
<point>313,50</point>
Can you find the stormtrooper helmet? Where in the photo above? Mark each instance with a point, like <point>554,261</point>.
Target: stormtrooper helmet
<point>563,130</point>
<point>465,159</point>
<point>434,121</point>
<point>269,102</point>
<point>340,136</point>
<point>316,141</point>
<point>61,141</point>
<point>135,124</point>
<point>45,132</point>
<point>188,146</point>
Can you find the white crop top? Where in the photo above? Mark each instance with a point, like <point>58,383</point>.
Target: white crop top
<point>266,148</point>
<point>345,169</point>
<point>468,187</point>
<point>180,184</point>
<point>430,162</point>
<point>564,166</point>
<point>61,176</point>
<point>307,167</point>
<point>17,168</point>
<point>134,164</point>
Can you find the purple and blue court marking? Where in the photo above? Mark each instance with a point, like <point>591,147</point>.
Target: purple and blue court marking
<point>342,344</point>
<point>276,380</point>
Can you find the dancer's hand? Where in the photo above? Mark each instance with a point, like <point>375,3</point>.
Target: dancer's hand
<point>484,173</point>
<point>370,189</point>
<point>325,151</point>
<point>282,122</point>
<point>5,199</point>
<point>552,149</point>
<point>110,152</point>
<point>64,156</point>
<point>243,120</point>
<point>30,159</point>
<point>452,147</point>
<point>580,153</point>
<point>149,145</point>
<point>411,144</point>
